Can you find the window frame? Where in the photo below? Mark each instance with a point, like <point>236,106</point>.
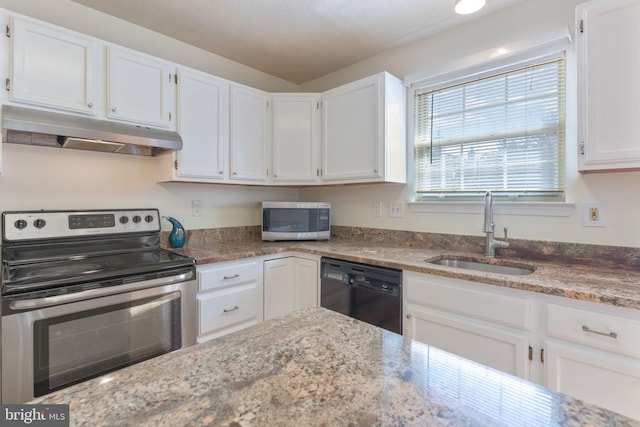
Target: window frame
<point>469,74</point>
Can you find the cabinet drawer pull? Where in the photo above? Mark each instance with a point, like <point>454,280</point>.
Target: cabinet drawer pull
<point>235,276</point>
<point>229,310</point>
<point>606,334</point>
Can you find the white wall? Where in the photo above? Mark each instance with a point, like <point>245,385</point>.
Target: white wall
<point>475,41</point>
<point>50,178</point>
<point>46,178</point>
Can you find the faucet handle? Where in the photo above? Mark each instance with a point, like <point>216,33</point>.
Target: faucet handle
<point>505,234</point>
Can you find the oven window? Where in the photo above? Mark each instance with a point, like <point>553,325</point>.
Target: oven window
<point>72,348</point>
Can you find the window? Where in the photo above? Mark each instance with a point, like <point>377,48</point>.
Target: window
<point>503,132</point>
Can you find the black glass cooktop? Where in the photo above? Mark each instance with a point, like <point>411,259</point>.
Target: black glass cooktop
<point>81,269</point>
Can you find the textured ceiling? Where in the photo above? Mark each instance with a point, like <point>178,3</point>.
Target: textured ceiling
<point>296,40</point>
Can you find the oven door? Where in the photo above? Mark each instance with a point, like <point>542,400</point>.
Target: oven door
<point>54,347</point>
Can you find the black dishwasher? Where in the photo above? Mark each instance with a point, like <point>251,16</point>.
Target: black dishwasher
<point>365,292</point>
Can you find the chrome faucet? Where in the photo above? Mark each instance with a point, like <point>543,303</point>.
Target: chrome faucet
<point>491,243</point>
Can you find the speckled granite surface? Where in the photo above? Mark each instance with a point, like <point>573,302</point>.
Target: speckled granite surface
<point>608,283</point>
<point>319,368</point>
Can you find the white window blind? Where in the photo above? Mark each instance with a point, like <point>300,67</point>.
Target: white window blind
<point>504,132</point>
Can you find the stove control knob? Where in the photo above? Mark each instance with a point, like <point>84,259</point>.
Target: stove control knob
<point>124,219</point>
<point>148,218</point>
<point>137,219</point>
<point>39,223</point>
<point>20,224</point>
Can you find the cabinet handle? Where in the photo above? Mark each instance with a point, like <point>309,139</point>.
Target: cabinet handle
<point>220,172</point>
<point>605,334</point>
<point>114,109</point>
<point>229,310</point>
<point>235,276</point>
<point>90,105</point>
<point>408,316</point>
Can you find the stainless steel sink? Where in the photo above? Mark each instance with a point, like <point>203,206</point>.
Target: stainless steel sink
<point>512,269</point>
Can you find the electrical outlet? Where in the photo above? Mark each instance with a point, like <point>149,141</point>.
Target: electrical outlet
<point>396,209</point>
<point>196,208</point>
<point>594,214</point>
<point>376,208</point>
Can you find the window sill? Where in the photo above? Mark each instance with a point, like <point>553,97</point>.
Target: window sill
<point>553,209</point>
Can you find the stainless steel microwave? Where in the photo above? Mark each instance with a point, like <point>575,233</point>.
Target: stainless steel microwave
<point>296,221</point>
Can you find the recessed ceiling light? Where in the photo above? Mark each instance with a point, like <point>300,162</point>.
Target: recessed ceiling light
<point>465,7</point>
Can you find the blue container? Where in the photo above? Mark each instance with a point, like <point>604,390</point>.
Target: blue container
<point>178,236</point>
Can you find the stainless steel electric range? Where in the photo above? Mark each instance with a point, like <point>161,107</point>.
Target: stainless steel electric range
<point>85,293</point>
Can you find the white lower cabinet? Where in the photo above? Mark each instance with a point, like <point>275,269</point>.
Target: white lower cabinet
<point>229,297</point>
<point>595,376</point>
<point>489,345</point>
<point>489,326</point>
<point>592,352</point>
<point>587,350</point>
<point>290,283</point>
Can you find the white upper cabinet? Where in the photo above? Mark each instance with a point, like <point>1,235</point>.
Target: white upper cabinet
<point>52,67</point>
<point>295,138</point>
<point>364,131</point>
<point>248,134</point>
<point>608,39</point>
<point>141,88</point>
<point>203,124</point>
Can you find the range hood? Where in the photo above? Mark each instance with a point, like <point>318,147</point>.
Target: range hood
<point>35,127</point>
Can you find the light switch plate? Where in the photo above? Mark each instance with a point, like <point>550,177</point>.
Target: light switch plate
<point>376,208</point>
<point>396,210</point>
<point>196,208</point>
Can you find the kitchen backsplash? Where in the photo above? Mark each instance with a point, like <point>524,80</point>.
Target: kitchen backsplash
<point>559,252</point>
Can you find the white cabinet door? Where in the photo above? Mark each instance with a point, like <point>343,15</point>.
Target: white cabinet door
<point>279,288</point>
<point>229,297</point>
<point>490,345</point>
<point>53,67</point>
<point>141,88</point>
<point>489,325</point>
<point>289,284</point>
<point>592,351</point>
<point>248,134</point>
<point>608,39</point>
<point>203,124</point>
<point>227,310</point>
<point>295,138</point>
<point>364,132</point>
<point>305,280</point>
<point>595,376</point>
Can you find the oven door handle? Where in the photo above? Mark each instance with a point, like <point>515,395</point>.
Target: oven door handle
<point>36,303</point>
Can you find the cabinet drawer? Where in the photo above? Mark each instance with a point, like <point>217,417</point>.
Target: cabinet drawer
<point>226,308</point>
<point>223,275</point>
<point>470,299</point>
<point>620,334</point>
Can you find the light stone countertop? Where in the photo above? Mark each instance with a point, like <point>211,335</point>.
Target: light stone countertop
<point>614,286</point>
<point>319,368</point>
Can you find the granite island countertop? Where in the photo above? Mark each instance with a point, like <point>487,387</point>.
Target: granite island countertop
<point>316,367</point>
<point>608,285</point>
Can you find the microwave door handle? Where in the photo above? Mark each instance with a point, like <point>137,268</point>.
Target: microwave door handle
<point>36,303</point>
